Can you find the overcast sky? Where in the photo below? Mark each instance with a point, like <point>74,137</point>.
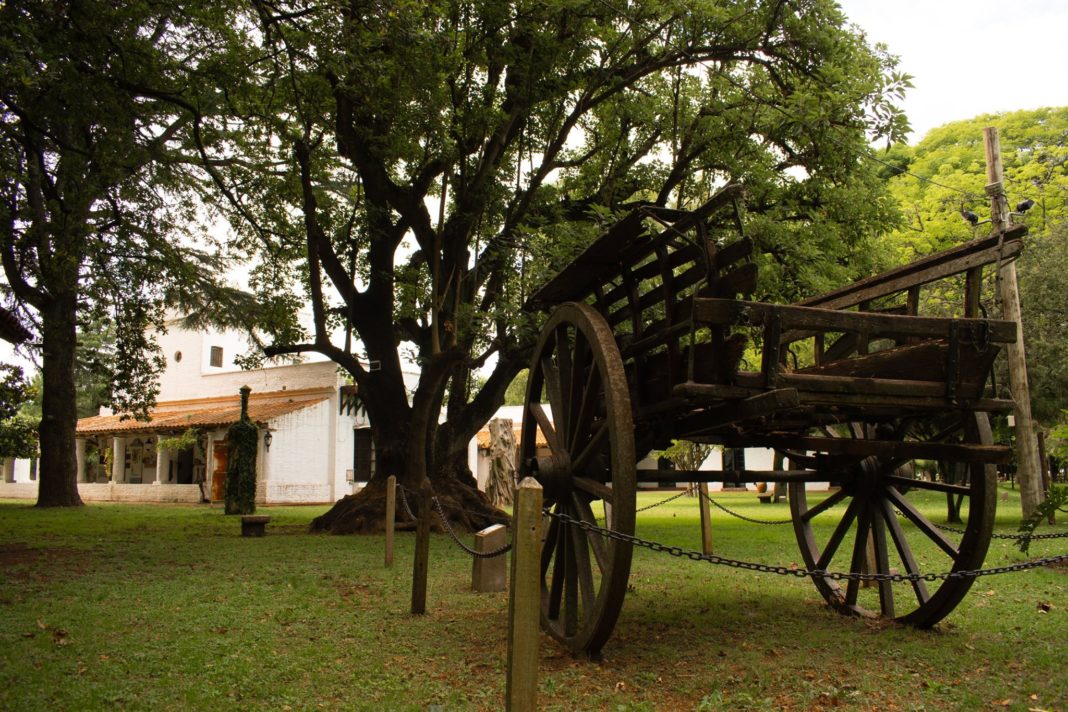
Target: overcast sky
<point>971,57</point>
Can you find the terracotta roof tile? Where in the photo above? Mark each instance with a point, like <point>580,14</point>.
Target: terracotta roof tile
<point>202,413</point>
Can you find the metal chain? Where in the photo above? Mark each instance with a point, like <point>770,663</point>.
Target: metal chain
<point>452,534</point>
<point>404,501</point>
<point>1015,537</point>
<point>745,518</point>
<point>798,572</point>
<point>657,504</point>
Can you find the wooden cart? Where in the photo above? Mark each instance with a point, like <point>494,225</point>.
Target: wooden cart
<point>647,341</point>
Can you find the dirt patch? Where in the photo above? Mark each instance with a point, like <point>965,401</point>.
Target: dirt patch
<point>19,562</point>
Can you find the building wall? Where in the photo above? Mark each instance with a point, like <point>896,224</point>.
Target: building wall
<point>310,456</point>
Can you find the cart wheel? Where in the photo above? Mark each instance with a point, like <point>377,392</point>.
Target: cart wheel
<point>577,398</point>
<point>889,518</point>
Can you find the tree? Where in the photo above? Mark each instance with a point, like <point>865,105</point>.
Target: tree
<point>93,192</point>
<point>18,431</point>
<point>418,170</point>
<point>946,173</point>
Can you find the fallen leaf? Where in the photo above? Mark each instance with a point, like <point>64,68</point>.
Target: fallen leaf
<point>621,686</point>
<point>1043,607</point>
<point>1003,703</point>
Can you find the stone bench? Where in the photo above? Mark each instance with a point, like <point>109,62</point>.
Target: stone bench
<point>254,524</point>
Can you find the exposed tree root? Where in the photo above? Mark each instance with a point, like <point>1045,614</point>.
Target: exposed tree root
<point>364,512</point>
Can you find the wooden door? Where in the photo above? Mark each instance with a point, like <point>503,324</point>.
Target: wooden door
<point>220,455</point>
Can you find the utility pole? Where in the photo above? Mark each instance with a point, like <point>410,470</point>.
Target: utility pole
<point>1028,467</point>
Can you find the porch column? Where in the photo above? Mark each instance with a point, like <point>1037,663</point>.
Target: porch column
<point>163,465</point>
<point>79,454</point>
<point>118,459</point>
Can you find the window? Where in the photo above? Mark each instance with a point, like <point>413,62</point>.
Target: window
<point>177,356</point>
<point>216,356</point>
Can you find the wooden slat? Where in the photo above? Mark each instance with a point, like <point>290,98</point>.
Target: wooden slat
<point>728,412</point>
<point>890,449</point>
<point>975,253</point>
<point>625,243</point>
<point>738,312</point>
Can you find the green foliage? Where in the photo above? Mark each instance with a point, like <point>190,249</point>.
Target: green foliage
<point>688,455</point>
<point>517,389</point>
<point>18,437</point>
<point>243,440</point>
<point>185,441</point>
<point>15,391</point>
<point>1056,501</point>
<point>951,159</point>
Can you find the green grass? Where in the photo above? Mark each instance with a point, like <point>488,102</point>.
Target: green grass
<point>168,608</point>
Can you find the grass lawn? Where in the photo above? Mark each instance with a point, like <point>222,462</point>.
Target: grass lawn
<point>167,608</point>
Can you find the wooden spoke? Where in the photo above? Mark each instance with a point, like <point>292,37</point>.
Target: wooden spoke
<point>557,586</point>
<point>922,523</point>
<point>823,506</point>
<point>587,409</point>
<point>597,542</point>
<point>596,444</point>
<point>546,426</point>
<point>579,398</point>
<point>571,611</point>
<point>860,552</point>
<point>876,487</point>
<point>882,562</point>
<point>904,551</point>
<point>581,552</point>
<point>594,488</point>
<point>562,405</point>
<point>839,534</point>
<point>935,486</point>
<point>551,378</point>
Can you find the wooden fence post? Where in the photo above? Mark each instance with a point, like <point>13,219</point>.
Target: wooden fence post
<point>422,549</point>
<point>524,601</point>
<point>391,516</point>
<point>706,519</point>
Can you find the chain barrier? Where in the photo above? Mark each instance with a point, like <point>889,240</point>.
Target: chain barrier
<point>452,534</point>
<point>1014,537</point>
<point>447,526</point>
<point>404,502</point>
<point>799,572</point>
<point>743,517</point>
<point>657,504</point>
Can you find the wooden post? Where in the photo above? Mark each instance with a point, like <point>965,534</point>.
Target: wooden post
<point>487,573</point>
<point>1047,477</point>
<point>1000,216</point>
<point>524,601</point>
<point>706,519</point>
<point>422,549</point>
<point>391,516</point>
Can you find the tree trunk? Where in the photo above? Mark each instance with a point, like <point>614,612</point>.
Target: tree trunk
<point>58,485</point>
<point>364,512</point>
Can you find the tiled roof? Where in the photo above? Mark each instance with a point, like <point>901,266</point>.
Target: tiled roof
<point>204,413</point>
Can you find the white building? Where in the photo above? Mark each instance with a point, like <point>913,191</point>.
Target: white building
<point>315,444</point>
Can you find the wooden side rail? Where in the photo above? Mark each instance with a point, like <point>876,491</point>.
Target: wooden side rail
<point>811,320</point>
<point>955,260</point>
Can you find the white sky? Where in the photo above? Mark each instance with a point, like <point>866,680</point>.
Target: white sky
<point>971,57</point>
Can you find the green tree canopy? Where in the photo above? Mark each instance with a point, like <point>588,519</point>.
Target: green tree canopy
<point>97,102</point>
<point>946,172</point>
<point>420,169</point>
